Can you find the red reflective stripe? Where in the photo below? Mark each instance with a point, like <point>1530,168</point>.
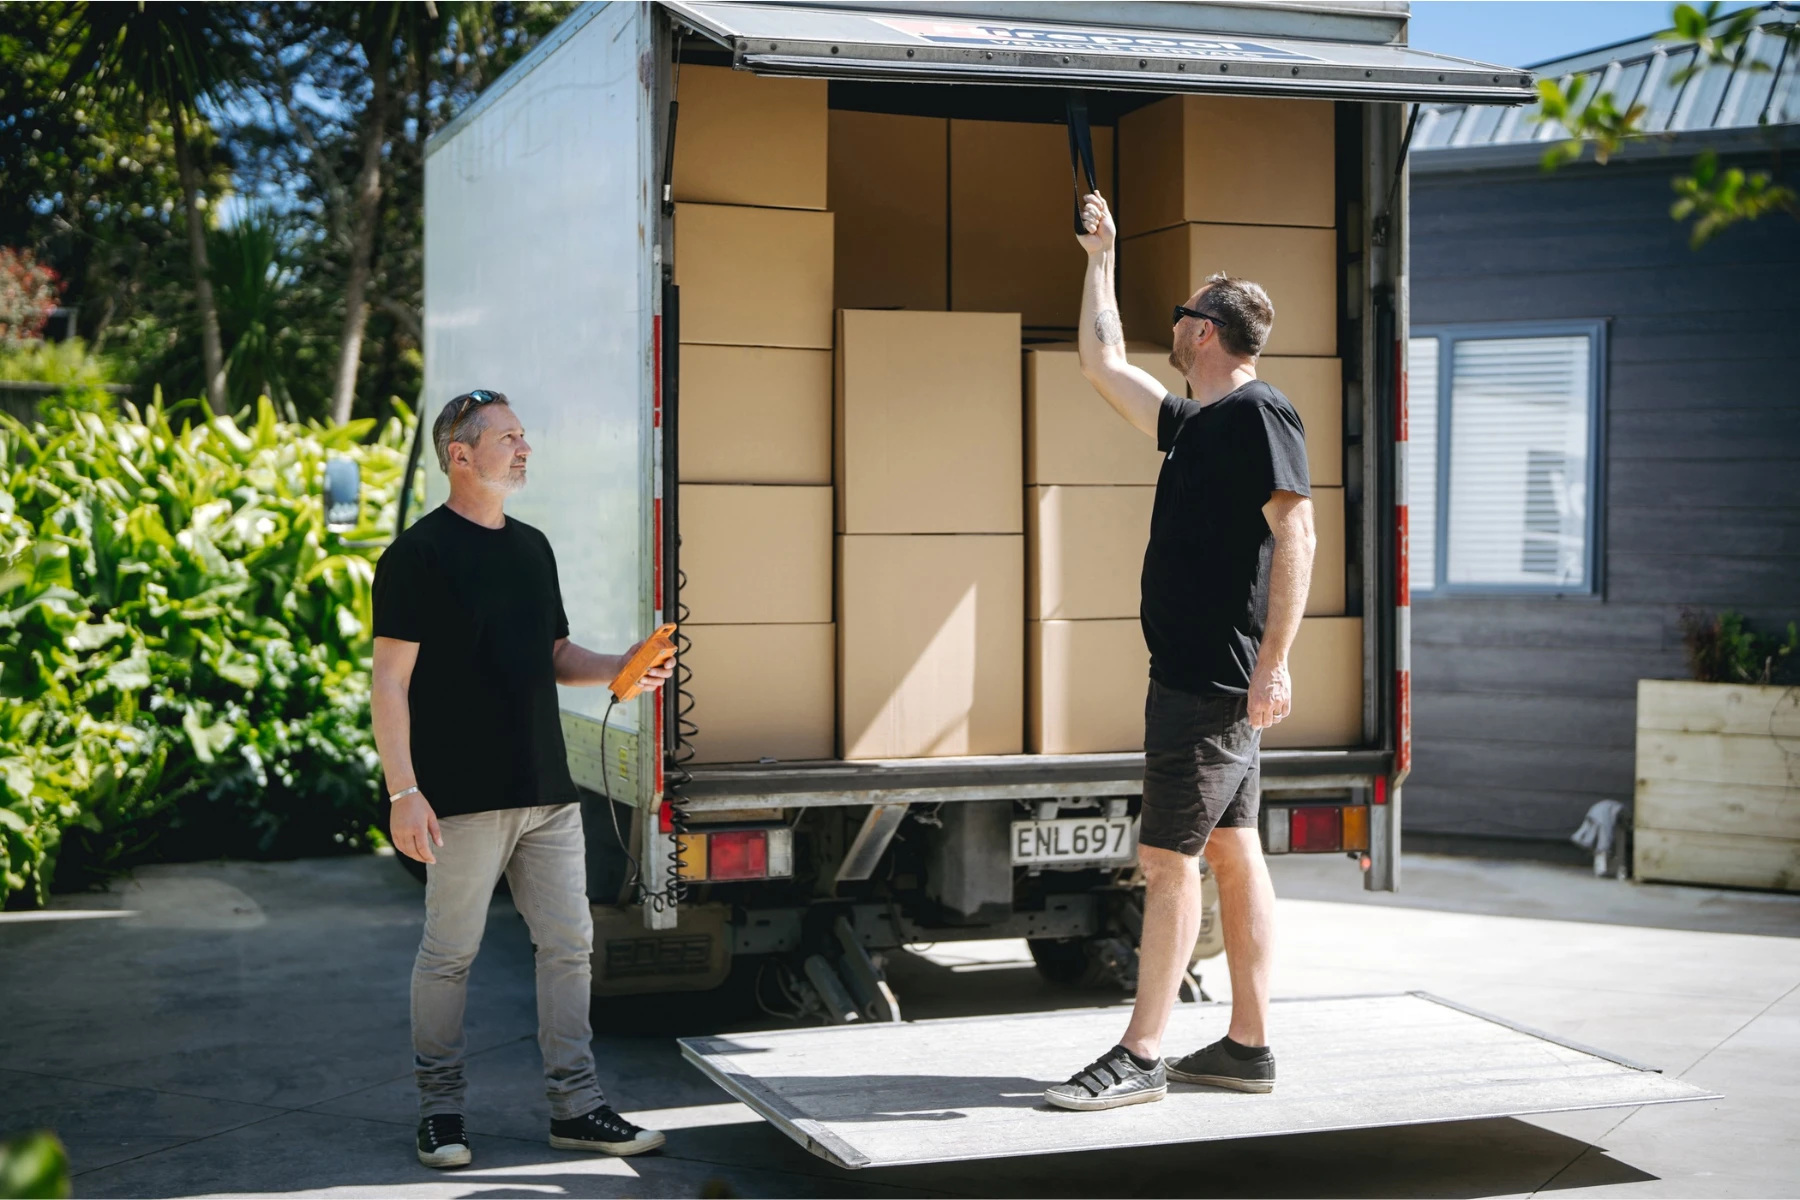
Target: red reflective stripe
<point>1402,584</point>
<point>1400,391</point>
<point>1402,565</point>
<point>1403,706</point>
<point>1381,789</point>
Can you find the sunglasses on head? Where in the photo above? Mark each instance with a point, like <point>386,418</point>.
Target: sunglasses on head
<point>470,401</point>
<point>1182,310</point>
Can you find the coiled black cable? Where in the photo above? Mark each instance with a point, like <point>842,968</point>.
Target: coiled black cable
<point>675,775</point>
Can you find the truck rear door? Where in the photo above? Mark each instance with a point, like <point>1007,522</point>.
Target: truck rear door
<point>828,42</point>
<point>539,212</point>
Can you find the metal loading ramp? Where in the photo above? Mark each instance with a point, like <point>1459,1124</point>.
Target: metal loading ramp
<point>968,1088</point>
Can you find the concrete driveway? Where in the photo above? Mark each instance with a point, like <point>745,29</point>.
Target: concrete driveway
<point>238,1028</point>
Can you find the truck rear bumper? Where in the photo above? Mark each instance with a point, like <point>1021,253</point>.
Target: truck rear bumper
<point>832,782</point>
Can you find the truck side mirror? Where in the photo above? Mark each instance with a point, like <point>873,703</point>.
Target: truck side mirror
<point>343,494</point>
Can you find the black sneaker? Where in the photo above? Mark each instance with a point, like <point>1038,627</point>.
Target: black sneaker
<point>1111,1081</point>
<point>603,1130</point>
<point>1214,1065</point>
<point>442,1142</point>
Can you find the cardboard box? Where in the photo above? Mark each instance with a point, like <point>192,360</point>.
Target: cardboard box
<point>1087,685</point>
<point>889,192</point>
<point>1297,267</point>
<point>754,276</point>
<point>1231,159</point>
<point>1012,220</point>
<point>756,555</point>
<point>1325,664</point>
<point>752,414</point>
<point>1325,598</point>
<point>1085,551</point>
<point>1072,435</point>
<point>931,645</point>
<point>1316,388</point>
<point>928,423</point>
<point>763,691</point>
<point>750,139</point>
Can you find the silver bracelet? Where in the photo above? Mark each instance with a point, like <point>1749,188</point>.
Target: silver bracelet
<point>407,792</point>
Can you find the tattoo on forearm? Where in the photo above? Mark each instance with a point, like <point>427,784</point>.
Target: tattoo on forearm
<point>1108,329</point>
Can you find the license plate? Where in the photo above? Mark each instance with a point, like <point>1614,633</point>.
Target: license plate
<point>1074,839</point>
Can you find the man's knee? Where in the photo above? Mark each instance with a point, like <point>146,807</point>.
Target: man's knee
<point>444,960</point>
<point>561,926</point>
<point>1165,868</point>
<point>1229,851</point>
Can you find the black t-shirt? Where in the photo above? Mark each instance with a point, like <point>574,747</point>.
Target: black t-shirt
<point>1206,571</point>
<point>485,608</point>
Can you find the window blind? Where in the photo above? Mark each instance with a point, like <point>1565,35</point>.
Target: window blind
<point>1518,444</point>
<point>1421,461</point>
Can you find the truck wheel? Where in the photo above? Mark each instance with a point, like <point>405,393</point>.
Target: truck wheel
<point>1094,962</point>
<point>1059,960</point>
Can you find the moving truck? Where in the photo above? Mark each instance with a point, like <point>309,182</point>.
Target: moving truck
<point>785,295</point>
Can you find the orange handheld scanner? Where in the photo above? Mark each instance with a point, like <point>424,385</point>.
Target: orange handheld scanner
<point>657,649</point>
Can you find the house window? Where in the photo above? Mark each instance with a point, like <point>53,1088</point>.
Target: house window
<point>1501,457</point>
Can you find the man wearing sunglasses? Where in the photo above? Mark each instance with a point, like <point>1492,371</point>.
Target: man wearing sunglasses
<point>471,642</point>
<point>1223,589</point>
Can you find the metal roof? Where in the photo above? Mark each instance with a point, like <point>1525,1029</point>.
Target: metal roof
<point>1722,105</point>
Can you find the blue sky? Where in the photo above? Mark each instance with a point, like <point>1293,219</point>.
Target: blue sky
<point>1518,33</point>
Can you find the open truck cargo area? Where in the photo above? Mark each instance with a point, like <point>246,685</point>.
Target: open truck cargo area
<point>786,296</point>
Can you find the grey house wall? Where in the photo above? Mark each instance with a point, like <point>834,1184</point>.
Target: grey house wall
<point>1524,709</point>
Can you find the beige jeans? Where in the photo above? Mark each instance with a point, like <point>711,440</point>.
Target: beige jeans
<point>545,860</point>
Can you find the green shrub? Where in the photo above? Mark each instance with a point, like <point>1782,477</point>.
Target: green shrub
<point>78,377</point>
<point>184,646</point>
<point>1724,649</point>
<point>34,1166</point>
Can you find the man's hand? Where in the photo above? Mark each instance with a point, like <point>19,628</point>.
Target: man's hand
<point>656,676</point>
<point>1271,693</point>
<point>1099,221</point>
<point>414,828</point>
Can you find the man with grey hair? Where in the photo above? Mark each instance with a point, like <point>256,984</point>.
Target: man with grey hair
<point>471,642</point>
<point>1224,586</point>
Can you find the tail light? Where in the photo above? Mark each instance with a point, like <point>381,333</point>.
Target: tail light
<point>1315,828</point>
<point>726,855</point>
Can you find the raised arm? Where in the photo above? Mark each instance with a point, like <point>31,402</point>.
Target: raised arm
<point>1290,518</point>
<point>1135,393</point>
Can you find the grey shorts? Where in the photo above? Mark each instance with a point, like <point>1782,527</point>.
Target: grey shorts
<point>1202,768</point>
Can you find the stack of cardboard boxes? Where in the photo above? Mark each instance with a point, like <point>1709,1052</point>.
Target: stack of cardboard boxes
<point>980,600</point>
<point>1090,478</point>
<point>930,549</point>
<point>1272,219</point>
<point>754,263</point>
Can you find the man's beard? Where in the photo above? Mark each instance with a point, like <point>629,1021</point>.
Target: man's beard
<point>504,482</point>
<point>1175,357</point>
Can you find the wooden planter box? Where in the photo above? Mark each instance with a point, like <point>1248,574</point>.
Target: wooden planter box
<point>1718,784</point>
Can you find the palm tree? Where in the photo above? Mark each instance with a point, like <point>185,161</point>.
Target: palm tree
<point>383,31</point>
<point>253,272</point>
<point>169,58</point>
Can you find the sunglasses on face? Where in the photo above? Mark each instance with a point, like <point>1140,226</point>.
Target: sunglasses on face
<point>1182,310</point>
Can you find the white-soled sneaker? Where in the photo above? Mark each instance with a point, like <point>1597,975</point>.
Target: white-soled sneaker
<point>603,1130</point>
<point>442,1141</point>
<point>1111,1081</point>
